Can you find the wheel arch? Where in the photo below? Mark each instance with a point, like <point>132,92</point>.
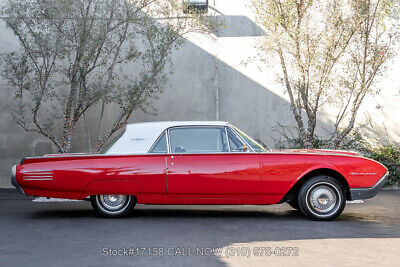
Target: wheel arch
<point>293,191</point>
<point>109,187</point>
<point>87,198</point>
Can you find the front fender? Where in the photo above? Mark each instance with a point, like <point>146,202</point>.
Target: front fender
<point>331,167</point>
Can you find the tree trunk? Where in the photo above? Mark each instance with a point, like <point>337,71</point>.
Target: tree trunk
<point>68,143</point>
<point>308,142</point>
<point>67,136</point>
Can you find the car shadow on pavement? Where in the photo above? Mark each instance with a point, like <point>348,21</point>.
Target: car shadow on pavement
<point>282,212</point>
<point>62,211</point>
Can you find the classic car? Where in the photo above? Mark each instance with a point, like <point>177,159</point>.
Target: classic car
<point>201,162</point>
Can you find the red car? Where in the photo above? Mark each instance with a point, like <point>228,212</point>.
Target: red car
<point>201,162</point>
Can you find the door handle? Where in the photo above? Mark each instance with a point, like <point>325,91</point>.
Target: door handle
<point>172,164</point>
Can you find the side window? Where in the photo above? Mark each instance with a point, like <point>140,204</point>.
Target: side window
<point>234,143</point>
<point>161,145</point>
<point>198,140</point>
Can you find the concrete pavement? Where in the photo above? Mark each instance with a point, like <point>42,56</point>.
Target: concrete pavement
<point>69,233</point>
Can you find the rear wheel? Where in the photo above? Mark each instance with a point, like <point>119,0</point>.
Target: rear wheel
<point>113,205</point>
<point>321,198</point>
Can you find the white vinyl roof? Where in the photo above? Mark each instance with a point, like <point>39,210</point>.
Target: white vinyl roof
<point>139,137</point>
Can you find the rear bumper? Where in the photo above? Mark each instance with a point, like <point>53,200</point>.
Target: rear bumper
<point>368,192</point>
<point>14,181</point>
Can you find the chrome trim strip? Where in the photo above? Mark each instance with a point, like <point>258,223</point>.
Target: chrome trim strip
<point>143,154</point>
<point>227,139</point>
<point>379,182</point>
<point>168,146</point>
<point>39,176</point>
<point>191,126</point>
<point>38,179</point>
<point>363,173</point>
<point>241,139</point>
<point>38,173</point>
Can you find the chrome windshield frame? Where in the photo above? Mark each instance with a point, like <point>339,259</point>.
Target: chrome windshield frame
<point>241,138</point>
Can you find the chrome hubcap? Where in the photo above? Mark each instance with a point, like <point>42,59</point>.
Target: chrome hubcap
<point>323,199</point>
<point>113,202</point>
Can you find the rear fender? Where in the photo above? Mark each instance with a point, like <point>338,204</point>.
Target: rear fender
<point>112,187</point>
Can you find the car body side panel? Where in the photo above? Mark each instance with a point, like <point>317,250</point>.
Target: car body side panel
<point>120,187</point>
<point>220,175</point>
<point>209,200</point>
<point>360,172</point>
<point>248,178</point>
<point>281,171</point>
<point>79,177</point>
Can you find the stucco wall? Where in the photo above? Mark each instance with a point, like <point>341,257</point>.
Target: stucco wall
<point>210,82</point>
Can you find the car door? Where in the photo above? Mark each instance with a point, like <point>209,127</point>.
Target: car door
<point>203,163</point>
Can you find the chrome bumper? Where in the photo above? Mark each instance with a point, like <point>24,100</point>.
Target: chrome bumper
<point>14,180</point>
<point>368,192</point>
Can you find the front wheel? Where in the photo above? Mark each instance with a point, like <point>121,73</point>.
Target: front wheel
<point>113,205</point>
<point>321,198</point>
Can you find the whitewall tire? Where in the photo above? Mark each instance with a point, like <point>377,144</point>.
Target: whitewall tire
<point>113,205</point>
<point>321,198</point>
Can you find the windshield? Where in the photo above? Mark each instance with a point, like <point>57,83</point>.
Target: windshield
<point>111,143</point>
<point>250,141</point>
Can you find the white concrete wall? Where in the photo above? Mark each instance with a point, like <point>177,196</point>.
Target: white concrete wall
<point>213,79</point>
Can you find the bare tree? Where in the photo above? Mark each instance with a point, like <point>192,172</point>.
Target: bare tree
<point>74,54</point>
<point>330,53</point>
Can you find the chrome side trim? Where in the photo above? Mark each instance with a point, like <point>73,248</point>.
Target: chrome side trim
<point>145,153</point>
<point>363,173</point>
<point>39,172</point>
<point>38,179</point>
<point>38,175</point>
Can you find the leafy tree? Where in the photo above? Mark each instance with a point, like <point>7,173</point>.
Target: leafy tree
<point>76,53</point>
<point>330,54</point>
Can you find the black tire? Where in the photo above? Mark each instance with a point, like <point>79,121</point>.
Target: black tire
<point>321,198</point>
<point>124,208</point>
<point>294,204</point>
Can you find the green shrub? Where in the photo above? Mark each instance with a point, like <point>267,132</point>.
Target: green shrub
<point>388,155</point>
